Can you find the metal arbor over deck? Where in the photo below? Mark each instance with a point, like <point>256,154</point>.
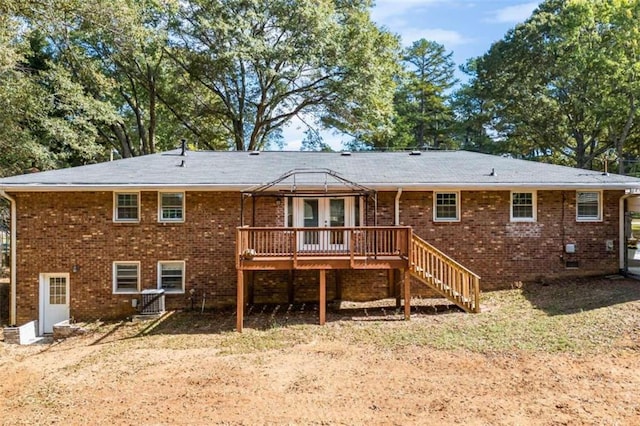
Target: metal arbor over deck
<point>289,186</point>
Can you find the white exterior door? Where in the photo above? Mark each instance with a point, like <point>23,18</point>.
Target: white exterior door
<point>323,213</point>
<point>54,300</point>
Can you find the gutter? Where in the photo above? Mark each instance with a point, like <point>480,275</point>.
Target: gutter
<point>397,207</point>
<point>12,306</point>
<point>407,186</point>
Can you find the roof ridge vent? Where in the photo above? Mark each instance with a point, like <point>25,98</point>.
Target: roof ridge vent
<point>254,153</point>
<point>345,153</point>
<point>415,152</point>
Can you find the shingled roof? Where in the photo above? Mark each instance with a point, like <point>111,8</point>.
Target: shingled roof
<point>231,170</point>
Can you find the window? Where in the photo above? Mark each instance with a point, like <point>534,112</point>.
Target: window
<point>446,206</point>
<point>171,276</point>
<point>588,206</point>
<point>126,277</point>
<point>523,206</point>
<point>127,207</point>
<point>171,207</point>
<point>289,212</point>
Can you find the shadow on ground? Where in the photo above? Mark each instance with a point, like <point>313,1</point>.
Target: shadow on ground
<point>564,297</point>
<point>266,316</point>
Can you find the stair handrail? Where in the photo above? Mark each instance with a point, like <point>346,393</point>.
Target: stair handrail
<point>419,243</point>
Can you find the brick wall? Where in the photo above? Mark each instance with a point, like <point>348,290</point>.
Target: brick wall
<point>503,252</point>
<point>57,231</point>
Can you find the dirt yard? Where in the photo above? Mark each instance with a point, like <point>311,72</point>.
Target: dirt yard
<point>564,353</point>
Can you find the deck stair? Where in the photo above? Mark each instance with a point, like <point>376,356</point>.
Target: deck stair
<point>444,275</point>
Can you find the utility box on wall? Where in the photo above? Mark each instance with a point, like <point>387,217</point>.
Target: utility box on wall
<point>570,248</point>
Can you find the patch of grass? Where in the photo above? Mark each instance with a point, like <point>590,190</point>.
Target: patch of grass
<point>513,323</point>
<point>580,316</point>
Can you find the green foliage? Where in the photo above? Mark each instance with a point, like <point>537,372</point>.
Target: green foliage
<point>561,87</point>
<point>257,64</point>
<point>424,117</point>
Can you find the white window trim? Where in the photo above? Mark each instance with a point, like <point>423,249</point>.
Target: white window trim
<point>600,207</point>
<point>160,219</point>
<point>184,273</point>
<point>435,210</point>
<point>114,277</point>
<point>534,199</point>
<point>115,207</point>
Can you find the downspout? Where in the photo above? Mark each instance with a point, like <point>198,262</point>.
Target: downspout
<point>397,207</point>
<point>12,306</point>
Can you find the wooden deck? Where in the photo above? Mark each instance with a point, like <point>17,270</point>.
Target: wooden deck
<point>387,248</point>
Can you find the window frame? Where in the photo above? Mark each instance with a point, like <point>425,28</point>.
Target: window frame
<point>159,280</point>
<point>534,207</point>
<point>160,207</point>
<point>600,206</point>
<point>115,289</point>
<point>435,207</point>
<point>116,206</point>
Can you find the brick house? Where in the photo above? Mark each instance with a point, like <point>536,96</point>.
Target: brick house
<point>228,228</point>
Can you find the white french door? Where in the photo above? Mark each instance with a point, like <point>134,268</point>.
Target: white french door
<point>323,213</point>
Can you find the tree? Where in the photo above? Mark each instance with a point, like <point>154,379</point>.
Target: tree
<point>253,65</point>
<point>562,87</point>
<point>115,50</point>
<point>312,141</point>
<point>424,117</point>
<point>41,119</point>
<point>471,112</point>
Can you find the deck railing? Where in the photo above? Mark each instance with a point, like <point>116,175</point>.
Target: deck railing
<point>445,275</point>
<point>352,242</point>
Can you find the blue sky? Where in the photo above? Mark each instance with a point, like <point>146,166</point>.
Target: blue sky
<point>465,27</point>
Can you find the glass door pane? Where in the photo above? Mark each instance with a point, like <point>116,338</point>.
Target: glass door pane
<point>337,218</point>
<point>311,219</point>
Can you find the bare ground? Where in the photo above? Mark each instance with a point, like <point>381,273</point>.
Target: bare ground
<point>567,353</point>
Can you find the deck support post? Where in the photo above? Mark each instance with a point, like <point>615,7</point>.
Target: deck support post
<point>240,301</point>
<point>397,292</point>
<point>323,296</point>
<point>407,294</point>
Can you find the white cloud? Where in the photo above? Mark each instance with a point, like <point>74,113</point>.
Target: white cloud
<point>447,38</point>
<point>513,14</point>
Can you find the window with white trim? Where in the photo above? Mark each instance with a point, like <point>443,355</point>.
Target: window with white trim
<point>446,206</point>
<point>126,277</point>
<point>171,276</point>
<point>523,206</point>
<point>589,206</point>
<point>171,206</point>
<point>126,206</point>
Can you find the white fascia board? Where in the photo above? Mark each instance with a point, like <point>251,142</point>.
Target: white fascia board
<point>128,187</point>
<point>506,186</point>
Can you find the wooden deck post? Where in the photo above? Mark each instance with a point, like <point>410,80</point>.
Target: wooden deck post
<point>323,296</point>
<point>240,301</point>
<point>397,290</point>
<point>407,294</point>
